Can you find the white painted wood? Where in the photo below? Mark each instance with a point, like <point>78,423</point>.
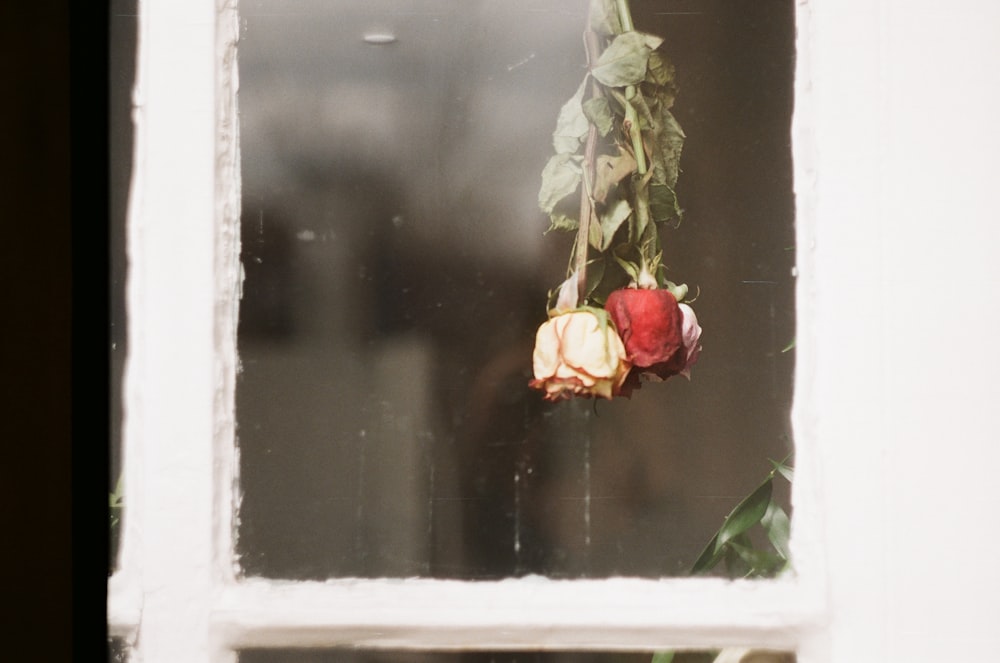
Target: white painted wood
<point>182,247</point>
<point>896,160</point>
<point>532,612</point>
<point>905,319</point>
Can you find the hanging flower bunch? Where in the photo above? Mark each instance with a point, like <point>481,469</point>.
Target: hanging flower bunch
<point>611,180</point>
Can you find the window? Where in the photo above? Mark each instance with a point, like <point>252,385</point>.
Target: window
<point>177,594</point>
<point>247,604</point>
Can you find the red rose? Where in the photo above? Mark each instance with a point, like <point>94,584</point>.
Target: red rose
<point>660,337</point>
<point>649,323</point>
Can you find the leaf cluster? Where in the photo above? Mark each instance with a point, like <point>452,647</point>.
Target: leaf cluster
<point>732,545</point>
<point>617,145</point>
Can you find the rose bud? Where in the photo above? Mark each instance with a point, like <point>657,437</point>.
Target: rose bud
<point>578,354</point>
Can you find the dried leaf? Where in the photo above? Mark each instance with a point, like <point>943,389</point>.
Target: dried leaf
<point>661,96</point>
<point>640,220</point>
<point>611,220</point>
<point>611,170</point>
<point>560,221</point>
<point>598,111</point>
<point>670,142</point>
<point>595,273</point>
<point>560,178</point>
<point>660,70</point>
<point>663,203</point>
<point>594,233</point>
<point>624,61</point>
<point>604,276</point>
<point>571,125</point>
<point>604,17</point>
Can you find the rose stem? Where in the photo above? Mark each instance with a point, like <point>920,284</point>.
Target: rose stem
<point>631,117</point>
<point>586,203</point>
<point>625,16</point>
<point>635,133</point>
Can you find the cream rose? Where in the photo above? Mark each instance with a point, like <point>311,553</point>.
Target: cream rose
<point>578,353</point>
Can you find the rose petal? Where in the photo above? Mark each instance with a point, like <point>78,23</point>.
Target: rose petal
<point>576,355</point>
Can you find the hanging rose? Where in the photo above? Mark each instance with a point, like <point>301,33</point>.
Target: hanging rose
<point>660,336</point>
<point>578,353</point>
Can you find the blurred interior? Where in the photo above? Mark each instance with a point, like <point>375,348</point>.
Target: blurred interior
<point>397,268</point>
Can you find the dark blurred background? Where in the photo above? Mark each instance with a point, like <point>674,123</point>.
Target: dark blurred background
<point>396,271</point>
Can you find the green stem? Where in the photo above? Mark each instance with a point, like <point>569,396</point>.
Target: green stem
<point>634,132</point>
<point>625,16</point>
<point>593,48</point>
<point>631,116</point>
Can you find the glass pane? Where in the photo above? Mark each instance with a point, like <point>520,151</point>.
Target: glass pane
<point>397,268</point>
<point>379,656</point>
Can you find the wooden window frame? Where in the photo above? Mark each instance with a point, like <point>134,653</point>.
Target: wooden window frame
<point>177,594</point>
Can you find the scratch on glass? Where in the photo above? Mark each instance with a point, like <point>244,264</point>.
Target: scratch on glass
<point>521,63</point>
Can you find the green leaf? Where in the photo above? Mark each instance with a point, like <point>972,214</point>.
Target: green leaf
<point>760,562</point>
<point>595,273</point>
<point>571,125</point>
<point>598,111</point>
<point>736,566</point>
<point>612,219</point>
<point>560,178</point>
<point>778,528</point>
<point>678,291</point>
<point>709,557</point>
<point>663,657</point>
<point>746,514</point>
<point>663,203</point>
<point>611,278</point>
<point>624,61</point>
<point>783,470</point>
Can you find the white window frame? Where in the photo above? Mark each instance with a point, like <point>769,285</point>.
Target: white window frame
<point>857,415</point>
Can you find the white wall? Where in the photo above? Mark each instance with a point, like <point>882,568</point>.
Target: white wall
<point>903,105</point>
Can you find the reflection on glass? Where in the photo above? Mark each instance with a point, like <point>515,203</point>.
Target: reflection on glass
<point>117,651</point>
<point>396,271</point>
<point>732,655</point>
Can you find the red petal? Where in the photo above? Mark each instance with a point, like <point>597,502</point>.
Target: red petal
<point>650,325</point>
